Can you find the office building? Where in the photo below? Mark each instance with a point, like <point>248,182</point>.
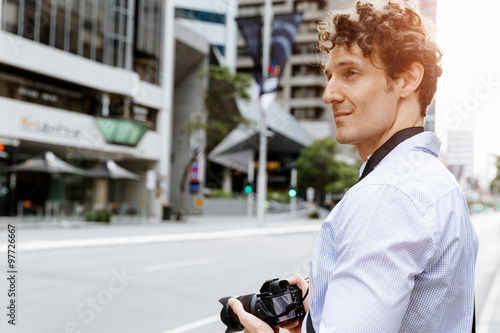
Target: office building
<point>91,81</point>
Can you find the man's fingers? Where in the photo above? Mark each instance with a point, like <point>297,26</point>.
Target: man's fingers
<point>299,281</point>
<point>251,323</point>
<point>290,324</point>
<point>303,285</point>
<point>236,306</point>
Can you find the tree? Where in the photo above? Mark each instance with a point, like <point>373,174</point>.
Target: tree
<point>495,183</point>
<point>223,116</point>
<point>318,168</point>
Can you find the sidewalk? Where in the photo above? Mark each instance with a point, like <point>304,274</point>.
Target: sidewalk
<point>58,235</point>
<point>192,221</point>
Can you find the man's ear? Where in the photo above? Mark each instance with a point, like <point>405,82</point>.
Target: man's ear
<point>411,79</point>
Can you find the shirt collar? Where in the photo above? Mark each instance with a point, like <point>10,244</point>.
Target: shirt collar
<point>426,141</point>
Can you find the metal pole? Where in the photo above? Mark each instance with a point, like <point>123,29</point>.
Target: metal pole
<point>293,183</point>
<point>165,117</point>
<point>2,20</point>
<point>231,34</point>
<point>262,177</point>
<point>250,196</point>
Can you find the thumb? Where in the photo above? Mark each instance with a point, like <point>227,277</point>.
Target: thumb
<point>236,306</point>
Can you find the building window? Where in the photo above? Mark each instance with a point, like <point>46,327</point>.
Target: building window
<point>147,46</point>
<point>99,30</point>
<point>38,90</point>
<point>308,5</point>
<point>250,10</point>
<point>305,69</point>
<point>307,27</point>
<point>199,15</point>
<point>307,113</point>
<point>10,17</point>
<point>242,52</point>
<point>304,48</point>
<point>307,91</point>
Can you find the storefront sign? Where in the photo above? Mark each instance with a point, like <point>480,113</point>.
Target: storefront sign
<point>44,126</point>
<point>193,172</point>
<point>194,187</point>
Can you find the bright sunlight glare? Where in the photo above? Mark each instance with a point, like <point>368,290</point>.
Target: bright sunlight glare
<point>468,95</point>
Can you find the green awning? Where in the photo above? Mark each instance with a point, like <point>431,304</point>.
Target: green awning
<point>121,131</point>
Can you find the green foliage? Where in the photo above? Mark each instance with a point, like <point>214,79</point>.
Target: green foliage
<point>98,216</point>
<point>220,194</point>
<point>318,168</point>
<point>495,183</point>
<point>347,175</point>
<point>281,197</point>
<point>219,99</point>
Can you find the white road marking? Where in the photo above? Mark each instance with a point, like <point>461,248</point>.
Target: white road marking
<point>488,311</point>
<point>106,241</point>
<point>194,325</point>
<point>179,264</point>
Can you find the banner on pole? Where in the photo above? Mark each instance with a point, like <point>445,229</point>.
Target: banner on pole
<point>284,31</point>
<point>250,28</point>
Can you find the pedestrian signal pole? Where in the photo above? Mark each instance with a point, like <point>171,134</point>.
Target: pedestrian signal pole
<point>262,176</point>
<point>249,188</point>
<point>292,192</point>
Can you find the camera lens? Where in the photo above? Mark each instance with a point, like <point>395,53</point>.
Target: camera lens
<point>229,318</point>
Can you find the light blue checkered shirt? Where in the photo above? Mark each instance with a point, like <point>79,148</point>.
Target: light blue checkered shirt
<point>397,254</point>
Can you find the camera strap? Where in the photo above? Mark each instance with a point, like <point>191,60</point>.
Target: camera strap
<point>387,147</point>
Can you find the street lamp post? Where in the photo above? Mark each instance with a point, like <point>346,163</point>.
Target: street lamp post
<point>262,177</point>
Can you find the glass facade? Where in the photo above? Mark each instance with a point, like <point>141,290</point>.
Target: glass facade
<point>147,46</point>
<point>119,33</point>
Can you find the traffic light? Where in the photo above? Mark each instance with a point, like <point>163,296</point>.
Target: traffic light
<point>292,193</point>
<point>247,187</point>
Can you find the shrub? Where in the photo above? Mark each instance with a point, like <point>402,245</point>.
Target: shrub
<point>98,216</point>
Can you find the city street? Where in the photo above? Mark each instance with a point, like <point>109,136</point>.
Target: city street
<point>166,278</point>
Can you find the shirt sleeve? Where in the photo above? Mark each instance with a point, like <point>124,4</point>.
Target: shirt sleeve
<point>381,243</point>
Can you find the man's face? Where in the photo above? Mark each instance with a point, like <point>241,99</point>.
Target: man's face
<point>364,106</point>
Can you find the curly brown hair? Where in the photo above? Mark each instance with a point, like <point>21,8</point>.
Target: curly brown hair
<point>398,32</point>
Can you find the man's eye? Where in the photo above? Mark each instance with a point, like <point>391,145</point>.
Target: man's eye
<point>352,73</point>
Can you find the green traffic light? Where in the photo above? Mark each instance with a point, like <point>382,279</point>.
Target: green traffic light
<point>248,189</point>
<point>292,193</point>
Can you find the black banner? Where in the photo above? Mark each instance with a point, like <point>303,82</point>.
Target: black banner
<point>250,28</point>
<point>284,31</point>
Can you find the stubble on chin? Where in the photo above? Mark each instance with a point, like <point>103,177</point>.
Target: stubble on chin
<point>340,136</point>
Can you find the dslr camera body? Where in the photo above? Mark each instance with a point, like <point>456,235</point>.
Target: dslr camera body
<point>278,302</point>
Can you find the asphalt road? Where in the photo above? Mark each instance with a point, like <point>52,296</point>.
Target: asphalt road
<point>154,287</point>
<point>84,280</point>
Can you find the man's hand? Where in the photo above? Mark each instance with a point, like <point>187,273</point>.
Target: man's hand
<point>251,323</point>
<point>303,285</point>
<point>295,326</point>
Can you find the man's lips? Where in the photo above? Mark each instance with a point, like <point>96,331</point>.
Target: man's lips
<point>339,115</point>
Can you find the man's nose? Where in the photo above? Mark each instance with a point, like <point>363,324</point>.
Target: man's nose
<point>332,92</point>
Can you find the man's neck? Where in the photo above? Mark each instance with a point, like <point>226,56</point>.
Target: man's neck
<point>368,148</point>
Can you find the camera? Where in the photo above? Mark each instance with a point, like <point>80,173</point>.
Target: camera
<point>278,302</point>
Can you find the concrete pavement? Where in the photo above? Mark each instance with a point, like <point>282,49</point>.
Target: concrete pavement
<point>66,234</point>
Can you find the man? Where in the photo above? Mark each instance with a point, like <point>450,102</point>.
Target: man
<point>397,254</point>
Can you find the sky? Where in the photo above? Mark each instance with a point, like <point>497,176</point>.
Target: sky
<point>468,94</point>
